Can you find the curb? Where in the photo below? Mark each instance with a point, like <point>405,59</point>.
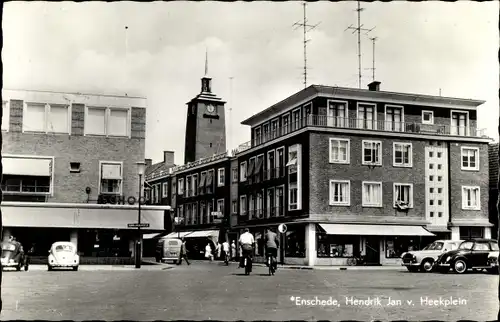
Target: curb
<point>337,268</point>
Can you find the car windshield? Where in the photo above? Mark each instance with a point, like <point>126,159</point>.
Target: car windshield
<point>466,245</point>
<point>64,248</point>
<point>9,247</point>
<point>434,246</point>
<point>494,246</point>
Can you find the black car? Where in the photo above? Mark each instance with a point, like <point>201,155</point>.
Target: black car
<point>471,254</point>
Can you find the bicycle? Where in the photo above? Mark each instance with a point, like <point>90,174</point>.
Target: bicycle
<point>226,259</point>
<point>356,260</point>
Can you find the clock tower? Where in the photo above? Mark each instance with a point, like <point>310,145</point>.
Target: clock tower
<point>206,123</point>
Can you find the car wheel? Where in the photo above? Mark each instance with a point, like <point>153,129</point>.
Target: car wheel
<point>412,269</point>
<point>75,268</point>
<point>26,267</point>
<point>492,270</point>
<point>426,266</point>
<point>49,268</point>
<point>460,266</point>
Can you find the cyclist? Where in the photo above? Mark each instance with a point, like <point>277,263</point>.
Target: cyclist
<point>246,243</point>
<point>272,243</point>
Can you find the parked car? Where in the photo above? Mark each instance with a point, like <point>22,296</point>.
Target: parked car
<point>493,262</point>
<point>424,259</point>
<point>13,255</point>
<point>63,255</point>
<point>168,249</point>
<point>471,254</point>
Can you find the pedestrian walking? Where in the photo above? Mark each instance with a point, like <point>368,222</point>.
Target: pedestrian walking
<point>208,252</point>
<point>233,250</point>
<point>218,248</point>
<point>183,253</point>
<point>226,251</point>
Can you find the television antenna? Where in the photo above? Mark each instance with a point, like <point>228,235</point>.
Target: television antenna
<point>358,29</point>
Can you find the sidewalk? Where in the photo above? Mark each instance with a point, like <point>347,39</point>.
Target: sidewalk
<point>340,268</point>
<point>94,268</point>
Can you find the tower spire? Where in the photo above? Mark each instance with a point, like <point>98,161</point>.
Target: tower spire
<point>206,81</point>
<point>206,62</point>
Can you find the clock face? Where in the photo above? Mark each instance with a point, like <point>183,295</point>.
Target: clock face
<point>210,108</point>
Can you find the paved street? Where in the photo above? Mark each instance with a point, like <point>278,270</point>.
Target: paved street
<point>205,291</point>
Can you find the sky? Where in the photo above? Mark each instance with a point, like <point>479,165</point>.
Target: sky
<point>255,55</point>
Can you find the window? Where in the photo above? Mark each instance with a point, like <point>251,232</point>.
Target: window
<point>431,178</point>
<point>234,205</point>
<point>286,124</point>
<point>293,196</point>
<point>210,209</point>
<point>280,162</point>
<point>403,195</point>
<point>203,212</point>
<point>440,202</point>
<point>459,123</point>
<point>189,214</point>
<point>340,192</point>
<point>440,154</point>
<point>220,178</point>
<point>250,168</point>
<point>189,191</point>
<point>440,214</point>
<point>337,114</point>
<point>367,116</point>
<point>470,233</point>
<point>194,186</point>
<point>243,205</point>
<point>403,155</point>
<point>431,202</point>
<point>339,150</point>
<point>164,190</point>
<point>337,245</point>
<point>203,181</point>
<point>470,158</point>
<point>234,174</point>
<point>251,205</point>
<point>209,186</point>
<point>111,177</point>
<point>5,115</point>
<point>396,246</point>
<point>258,169</point>
<point>292,162</point>
<point>274,129</point>
<point>440,190</point>
<point>431,190</point>
<point>431,214</point>
<point>265,132</point>
<point>260,204</point>
<point>107,121</point>
<point>47,118</point>
<point>195,213</point>
<point>180,186</point>
<point>372,194</point>
<point>295,119</point>
<point>74,167</point>
<point>431,166</point>
<point>440,166</point>
<point>427,117</point>
<point>471,198</point>
<point>156,190</point>
<point>431,154</point>
<point>257,136</point>
<point>270,203</point>
<point>271,164</point>
<point>372,152</point>
<point>295,241</point>
<point>280,201</point>
<point>394,118</point>
<point>26,185</point>
<point>243,171</point>
<point>180,212</point>
<point>220,206</point>
<point>440,178</point>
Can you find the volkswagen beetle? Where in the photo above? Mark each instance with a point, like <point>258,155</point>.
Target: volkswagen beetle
<point>13,255</point>
<point>471,254</point>
<point>63,255</point>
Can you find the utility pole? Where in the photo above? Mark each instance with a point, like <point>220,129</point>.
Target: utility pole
<point>305,26</point>
<point>126,56</point>
<point>358,30</point>
<point>373,39</point>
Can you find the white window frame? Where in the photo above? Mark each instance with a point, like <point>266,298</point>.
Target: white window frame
<point>476,168</point>
<point>284,161</point>
<point>270,167</point>
<point>121,174</point>
<point>464,198</point>
<point>274,135</point>
<point>46,120</point>
<point>194,191</point>
<point>380,154</point>
<point>257,138</point>
<point>286,128</point>
<point>431,122</point>
<point>331,190</point>
<point>394,194</point>
<point>234,206</point>
<point>363,190</point>
<point>164,190</point>
<point>281,210</point>
<point>375,116</point>
<point>180,186</point>
<point>243,202</point>
<point>402,115</point>
<point>107,113</point>
<point>234,175</point>
<point>345,123</point>
<point>219,171</point>
<point>243,171</point>
<point>289,197</point>
<point>6,115</point>
<point>157,193</point>
<point>219,202</point>
<point>295,126</point>
<point>467,121</point>
<point>410,156</point>
<point>348,150</point>
<point>188,186</point>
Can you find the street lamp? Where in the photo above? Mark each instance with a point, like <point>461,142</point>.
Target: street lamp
<point>141,166</point>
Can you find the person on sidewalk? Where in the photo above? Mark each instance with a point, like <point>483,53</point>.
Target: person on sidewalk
<point>225,252</point>
<point>218,251</point>
<point>183,253</point>
<point>208,252</point>
<point>233,250</point>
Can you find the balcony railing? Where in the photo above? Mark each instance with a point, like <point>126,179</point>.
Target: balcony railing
<point>263,213</point>
<point>362,124</point>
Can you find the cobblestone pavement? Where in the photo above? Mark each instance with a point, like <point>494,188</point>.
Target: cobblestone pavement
<point>204,291</point>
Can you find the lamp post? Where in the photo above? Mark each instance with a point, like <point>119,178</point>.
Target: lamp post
<point>141,166</point>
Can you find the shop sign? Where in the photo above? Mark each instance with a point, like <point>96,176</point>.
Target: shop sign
<point>119,200</point>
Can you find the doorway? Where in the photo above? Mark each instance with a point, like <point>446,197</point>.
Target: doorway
<point>372,246</point>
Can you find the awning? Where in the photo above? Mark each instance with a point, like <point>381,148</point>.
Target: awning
<point>178,234</point>
<point>375,230</point>
<point>150,236</point>
<point>292,162</point>
<point>204,233</point>
<point>27,166</point>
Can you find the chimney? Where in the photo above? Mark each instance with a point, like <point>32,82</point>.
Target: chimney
<point>374,86</point>
<point>149,162</point>
<point>168,158</point>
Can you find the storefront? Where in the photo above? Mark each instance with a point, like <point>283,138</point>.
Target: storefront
<point>196,241</point>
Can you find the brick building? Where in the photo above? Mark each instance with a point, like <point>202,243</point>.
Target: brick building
<point>352,170</point>
<point>493,187</point>
<point>64,156</point>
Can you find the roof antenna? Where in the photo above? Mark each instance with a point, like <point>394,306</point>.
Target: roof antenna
<point>126,55</point>
<point>373,39</point>
<point>358,30</point>
<point>305,26</point>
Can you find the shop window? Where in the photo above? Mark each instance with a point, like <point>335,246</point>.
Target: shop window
<point>295,242</point>
<point>471,232</point>
<point>337,246</point>
<point>259,240</point>
<point>396,246</point>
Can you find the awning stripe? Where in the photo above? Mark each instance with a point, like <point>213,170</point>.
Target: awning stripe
<point>375,230</point>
